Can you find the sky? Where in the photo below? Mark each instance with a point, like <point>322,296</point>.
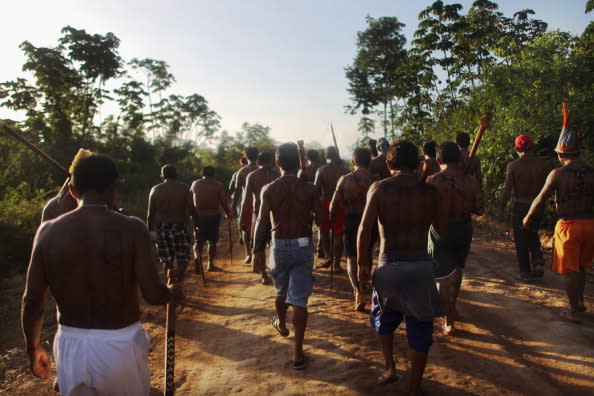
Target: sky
<point>279,63</point>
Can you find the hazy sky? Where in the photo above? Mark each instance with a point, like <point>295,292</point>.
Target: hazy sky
<point>278,63</point>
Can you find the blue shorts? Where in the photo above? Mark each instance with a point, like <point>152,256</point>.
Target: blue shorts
<point>291,267</point>
<point>418,333</point>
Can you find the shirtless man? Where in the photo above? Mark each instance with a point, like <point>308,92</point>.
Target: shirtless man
<point>208,196</point>
<point>449,251</point>
<point>429,166</point>
<point>525,176</point>
<point>378,167</point>
<point>255,181</point>
<point>309,174</point>
<point>245,221</point>
<point>243,161</point>
<point>573,249</point>
<point>60,204</point>
<point>326,178</point>
<point>169,207</point>
<point>287,209</point>
<point>351,192</point>
<point>403,282</point>
<point>471,166</point>
<point>93,260</point>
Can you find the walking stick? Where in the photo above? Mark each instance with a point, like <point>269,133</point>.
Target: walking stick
<point>230,243</point>
<point>170,343</point>
<point>43,155</point>
<point>198,254</point>
<point>331,255</point>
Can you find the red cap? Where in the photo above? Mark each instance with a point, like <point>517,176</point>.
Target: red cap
<point>524,142</point>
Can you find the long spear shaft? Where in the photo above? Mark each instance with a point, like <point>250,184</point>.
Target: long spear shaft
<point>27,143</point>
<point>334,138</point>
<point>170,344</point>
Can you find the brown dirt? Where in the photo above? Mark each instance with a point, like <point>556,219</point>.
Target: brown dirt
<point>511,339</point>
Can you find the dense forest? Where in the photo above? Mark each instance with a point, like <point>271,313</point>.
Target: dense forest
<point>458,64</point>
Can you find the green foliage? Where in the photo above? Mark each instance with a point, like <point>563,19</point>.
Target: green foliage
<point>511,66</point>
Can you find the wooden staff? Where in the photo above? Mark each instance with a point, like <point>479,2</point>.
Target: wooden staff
<point>170,343</point>
<point>331,254</point>
<point>334,140</point>
<point>485,120</point>
<point>230,243</point>
<point>27,143</point>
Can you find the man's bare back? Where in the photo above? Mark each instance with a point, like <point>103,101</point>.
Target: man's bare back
<point>92,259</point>
<point>241,178</point>
<point>379,169</point>
<point>462,192</point>
<point>291,203</point>
<point>208,196</point>
<point>327,177</point>
<point>255,181</point>
<point>573,185</point>
<point>429,167</point>
<point>525,176</point>
<point>405,208</point>
<point>170,203</point>
<point>351,190</point>
<point>57,206</point>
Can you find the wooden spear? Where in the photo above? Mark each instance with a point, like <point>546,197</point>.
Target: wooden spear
<point>170,343</point>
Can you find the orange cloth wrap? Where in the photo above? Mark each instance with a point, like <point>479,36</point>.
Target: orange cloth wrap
<point>573,247</point>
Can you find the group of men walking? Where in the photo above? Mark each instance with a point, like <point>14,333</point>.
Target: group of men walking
<point>419,209</point>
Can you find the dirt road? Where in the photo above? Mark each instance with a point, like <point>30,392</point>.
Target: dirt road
<point>511,339</point>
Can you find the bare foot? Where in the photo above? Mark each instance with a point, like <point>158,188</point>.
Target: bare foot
<point>447,329</point>
<point>387,378</point>
<point>571,317</point>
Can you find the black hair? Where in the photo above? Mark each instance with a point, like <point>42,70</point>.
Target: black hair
<point>372,143</point>
<point>243,161</point>
<point>332,153</point>
<point>569,155</point>
<point>169,171</point>
<point>265,158</point>
<point>403,155</point>
<point>94,173</point>
<point>208,171</point>
<point>429,148</point>
<point>251,153</point>
<point>463,139</point>
<point>448,153</point>
<point>362,156</point>
<point>287,156</point>
<point>313,155</point>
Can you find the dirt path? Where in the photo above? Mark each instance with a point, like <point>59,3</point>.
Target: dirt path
<point>511,339</point>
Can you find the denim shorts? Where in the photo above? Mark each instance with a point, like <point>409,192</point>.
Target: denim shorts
<point>291,267</point>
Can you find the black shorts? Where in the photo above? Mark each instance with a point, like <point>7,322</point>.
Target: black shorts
<point>208,228</point>
<point>351,228</point>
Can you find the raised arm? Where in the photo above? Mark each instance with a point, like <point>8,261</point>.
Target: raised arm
<point>364,234</point>
<point>547,190</point>
<point>32,310</point>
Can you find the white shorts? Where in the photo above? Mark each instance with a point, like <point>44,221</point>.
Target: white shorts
<point>102,362</point>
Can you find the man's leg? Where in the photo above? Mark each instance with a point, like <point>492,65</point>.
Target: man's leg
<point>299,324</point>
<point>325,244</point>
<point>245,235</point>
<point>352,272</point>
<point>338,249</point>
<point>454,291</point>
<point>181,270</point>
<point>260,267</point>
<point>582,287</point>
<point>573,286</point>
<point>446,287</point>
<point>386,342</point>
<point>418,360</point>
<point>281,312</point>
<point>212,252</point>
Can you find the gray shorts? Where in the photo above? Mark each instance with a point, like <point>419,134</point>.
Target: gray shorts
<point>291,267</point>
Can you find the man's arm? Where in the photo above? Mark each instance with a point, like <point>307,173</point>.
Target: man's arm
<point>190,207</point>
<point>32,310</point>
<point>318,179</point>
<point>547,190</point>
<point>263,222</point>
<point>442,213</point>
<point>478,206</point>
<point>248,196</point>
<point>239,184</point>
<point>320,212</point>
<point>364,234</point>
<point>337,198</point>
<point>153,290</point>
<point>152,207</point>
<point>506,190</point>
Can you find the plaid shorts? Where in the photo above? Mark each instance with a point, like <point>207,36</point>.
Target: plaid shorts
<point>172,243</point>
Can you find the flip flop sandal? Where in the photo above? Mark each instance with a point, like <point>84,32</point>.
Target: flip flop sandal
<point>275,324</point>
<point>383,380</point>
<point>299,365</point>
